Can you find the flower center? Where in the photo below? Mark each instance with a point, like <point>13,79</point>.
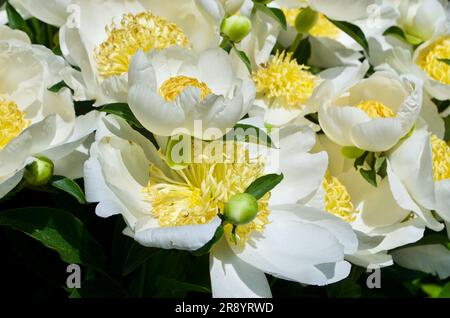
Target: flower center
<point>143,31</point>
<point>199,192</point>
<point>375,109</point>
<point>323,27</point>
<point>173,87</point>
<point>441,159</point>
<point>12,121</point>
<point>430,58</point>
<point>284,82</point>
<point>338,200</point>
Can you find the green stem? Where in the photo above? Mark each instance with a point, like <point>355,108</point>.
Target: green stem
<point>226,44</point>
<point>296,42</point>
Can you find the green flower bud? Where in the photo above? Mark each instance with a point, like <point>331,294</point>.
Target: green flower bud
<point>39,172</point>
<point>305,20</point>
<point>241,209</point>
<point>352,152</point>
<point>236,28</point>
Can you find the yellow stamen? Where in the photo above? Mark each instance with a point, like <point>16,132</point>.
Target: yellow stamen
<point>338,200</point>
<point>199,192</point>
<point>323,27</point>
<point>173,87</point>
<point>284,82</point>
<point>375,109</point>
<point>12,121</point>
<point>143,31</point>
<point>429,60</point>
<point>441,159</point>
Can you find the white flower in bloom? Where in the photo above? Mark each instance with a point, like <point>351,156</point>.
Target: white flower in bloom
<point>33,120</point>
<point>101,36</point>
<point>179,209</point>
<point>175,89</point>
<point>371,114</point>
<point>379,215</point>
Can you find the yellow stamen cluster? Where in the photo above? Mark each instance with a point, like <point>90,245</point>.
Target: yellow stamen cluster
<point>173,87</point>
<point>285,83</point>
<point>338,200</point>
<point>429,60</point>
<point>12,121</point>
<point>143,31</point>
<point>441,159</point>
<point>199,192</point>
<point>375,109</point>
<point>323,27</point>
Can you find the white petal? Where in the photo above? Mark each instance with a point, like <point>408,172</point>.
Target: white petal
<point>233,278</point>
<point>432,259</point>
<point>377,135</point>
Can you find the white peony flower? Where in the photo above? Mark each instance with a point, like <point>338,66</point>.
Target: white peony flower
<point>371,114</point>
<point>35,122</point>
<point>378,215</point>
<point>101,36</point>
<point>175,89</point>
<point>180,209</point>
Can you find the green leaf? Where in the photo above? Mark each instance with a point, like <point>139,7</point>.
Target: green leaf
<point>303,51</point>
<point>250,134</point>
<point>69,186</point>
<point>137,256</point>
<point>445,292</point>
<point>360,161</point>
<point>274,13</point>
<point>264,184</point>
<point>432,290</point>
<point>380,162</point>
<point>208,246</point>
<point>446,61</point>
<point>58,230</point>
<point>352,152</point>
<point>370,176</point>
<point>244,58</point>
<point>57,87</point>
<point>399,33</point>
<point>122,110</point>
<point>354,32</point>
<point>178,286</point>
<point>16,22</point>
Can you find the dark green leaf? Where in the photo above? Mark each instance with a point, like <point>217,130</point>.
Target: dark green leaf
<point>264,184</point>
<point>178,286</point>
<point>360,161</point>
<point>59,231</point>
<point>354,32</point>
<point>274,13</point>
<point>445,292</point>
<point>303,51</point>
<point>16,22</point>
<point>137,256</point>
<point>244,58</point>
<point>370,176</point>
<point>57,87</point>
<point>380,164</point>
<point>208,246</point>
<point>122,110</point>
<point>69,186</point>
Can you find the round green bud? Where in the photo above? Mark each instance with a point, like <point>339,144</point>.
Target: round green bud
<point>39,172</point>
<point>305,20</point>
<point>352,152</point>
<point>236,28</point>
<point>241,209</point>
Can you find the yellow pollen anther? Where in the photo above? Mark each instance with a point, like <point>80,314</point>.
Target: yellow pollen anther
<point>338,200</point>
<point>441,159</point>
<point>285,83</point>
<point>199,192</point>
<point>375,109</point>
<point>323,27</point>
<point>12,121</point>
<point>173,87</point>
<point>429,60</point>
<point>143,31</point>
